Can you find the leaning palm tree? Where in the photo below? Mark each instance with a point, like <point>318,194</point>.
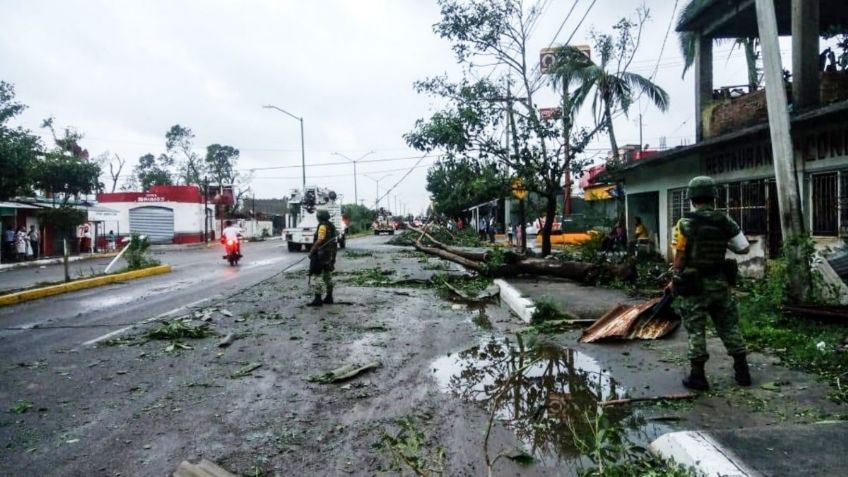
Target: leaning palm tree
<point>611,87</point>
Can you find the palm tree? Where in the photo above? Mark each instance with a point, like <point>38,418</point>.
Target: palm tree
<point>687,45</point>
<point>611,89</point>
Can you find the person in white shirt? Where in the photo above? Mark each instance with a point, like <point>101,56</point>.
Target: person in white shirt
<point>232,232</point>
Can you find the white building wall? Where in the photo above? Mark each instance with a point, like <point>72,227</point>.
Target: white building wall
<point>188,217</point>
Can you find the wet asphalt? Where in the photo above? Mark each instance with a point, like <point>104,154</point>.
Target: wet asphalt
<point>75,319</point>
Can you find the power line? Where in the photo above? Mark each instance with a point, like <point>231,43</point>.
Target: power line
<point>401,179</point>
<point>326,164</point>
<point>329,176</point>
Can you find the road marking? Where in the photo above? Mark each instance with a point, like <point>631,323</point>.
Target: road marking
<point>148,320</point>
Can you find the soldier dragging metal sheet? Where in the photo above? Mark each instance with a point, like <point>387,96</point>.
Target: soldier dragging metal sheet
<point>702,280</point>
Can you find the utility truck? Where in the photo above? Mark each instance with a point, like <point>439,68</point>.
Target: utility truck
<point>311,201</point>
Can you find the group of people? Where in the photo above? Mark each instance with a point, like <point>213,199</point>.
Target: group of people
<point>20,244</point>
<point>616,240</point>
<point>487,229</point>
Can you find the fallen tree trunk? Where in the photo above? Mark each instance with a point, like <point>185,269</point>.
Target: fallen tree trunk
<point>515,264</point>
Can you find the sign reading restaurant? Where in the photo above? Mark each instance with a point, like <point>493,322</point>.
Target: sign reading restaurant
<point>812,146</point>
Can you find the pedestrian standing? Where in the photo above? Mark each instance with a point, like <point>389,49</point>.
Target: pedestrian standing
<point>492,229</point>
<point>702,279</point>
<point>510,233</point>
<point>110,241</point>
<point>21,243</point>
<point>9,238</point>
<point>322,260</point>
<point>482,228</point>
<point>34,239</point>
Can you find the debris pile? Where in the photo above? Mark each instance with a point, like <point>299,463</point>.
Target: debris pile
<point>506,263</point>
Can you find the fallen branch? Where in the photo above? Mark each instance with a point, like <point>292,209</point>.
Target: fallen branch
<point>670,397</point>
<point>343,373</point>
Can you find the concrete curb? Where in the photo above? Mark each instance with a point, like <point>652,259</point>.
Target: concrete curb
<point>521,306</point>
<point>698,451</point>
<point>54,261</point>
<point>35,294</point>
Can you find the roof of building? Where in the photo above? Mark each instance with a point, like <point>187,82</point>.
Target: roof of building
<point>840,108</point>
<point>738,18</point>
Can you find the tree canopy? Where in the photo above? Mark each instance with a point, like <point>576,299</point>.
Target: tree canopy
<point>19,149</point>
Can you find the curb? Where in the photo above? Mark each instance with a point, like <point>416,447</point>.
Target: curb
<point>28,295</point>
<point>519,305</point>
<point>699,451</point>
<point>54,261</point>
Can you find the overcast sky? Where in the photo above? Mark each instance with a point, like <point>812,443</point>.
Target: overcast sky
<point>123,72</point>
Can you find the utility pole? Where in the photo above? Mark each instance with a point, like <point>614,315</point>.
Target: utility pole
<point>206,210</point>
<point>788,198</point>
<point>354,161</point>
<point>641,141</point>
<point>377,197</point>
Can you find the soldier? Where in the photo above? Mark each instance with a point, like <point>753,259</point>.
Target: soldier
<point>322,260</point>
<point>702,280</point>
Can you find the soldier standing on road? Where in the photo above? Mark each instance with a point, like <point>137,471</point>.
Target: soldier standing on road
<point>322,260</point>
<point>702,280</point>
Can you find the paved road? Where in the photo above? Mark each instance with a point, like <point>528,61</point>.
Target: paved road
<point>68,321</point>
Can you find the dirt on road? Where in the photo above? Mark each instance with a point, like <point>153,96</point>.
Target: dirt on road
<point>449,372</point>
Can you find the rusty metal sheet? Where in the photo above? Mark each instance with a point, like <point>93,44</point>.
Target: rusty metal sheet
<point>616,323</point>
<point>656,327</point>
<point>632,321</point>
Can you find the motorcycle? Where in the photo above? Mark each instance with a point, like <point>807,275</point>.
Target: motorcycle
<point>232,249</point>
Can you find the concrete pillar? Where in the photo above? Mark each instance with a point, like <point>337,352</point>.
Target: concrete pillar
<point>703,81</point>
<point>805,54</point>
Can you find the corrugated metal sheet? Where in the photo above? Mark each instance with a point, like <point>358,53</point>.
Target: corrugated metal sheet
<point>157,223</point>
<point>633,322</point>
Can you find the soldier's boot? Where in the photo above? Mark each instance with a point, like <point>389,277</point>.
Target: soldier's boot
<point>316,301</point>
<point>328,300</point>
<point>740,369</point>
<point>697,378</point>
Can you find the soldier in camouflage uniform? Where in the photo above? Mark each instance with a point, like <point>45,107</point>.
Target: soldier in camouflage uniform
<point>702,280</point>
<point>322,260</point>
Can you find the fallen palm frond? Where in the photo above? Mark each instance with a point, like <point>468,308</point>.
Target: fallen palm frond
<point>177,330</point>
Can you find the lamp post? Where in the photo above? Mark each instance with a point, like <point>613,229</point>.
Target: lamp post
<point>354,161</point>
<point>377,181</point>
<point>302,147</point>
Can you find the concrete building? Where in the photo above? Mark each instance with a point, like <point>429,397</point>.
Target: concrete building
<point>166,214</point>
<point>734,145</point>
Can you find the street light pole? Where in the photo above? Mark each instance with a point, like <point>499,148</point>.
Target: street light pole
<point>302,145</point>
<point>354,161</point>
<point>377,181</point>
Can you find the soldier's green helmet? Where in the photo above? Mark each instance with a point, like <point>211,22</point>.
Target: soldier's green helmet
<point>702,187</point>
<point>323,215</point>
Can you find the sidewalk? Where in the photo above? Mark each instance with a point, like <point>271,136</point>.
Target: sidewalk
<point>774,427</point>
<point>54,261</point>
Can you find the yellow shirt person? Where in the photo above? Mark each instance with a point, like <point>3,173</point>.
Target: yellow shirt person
<point>641,232</point>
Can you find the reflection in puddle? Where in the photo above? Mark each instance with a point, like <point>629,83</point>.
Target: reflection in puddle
<point>545,394</point>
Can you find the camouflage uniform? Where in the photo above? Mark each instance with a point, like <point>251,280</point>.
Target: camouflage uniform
<point>713,299</point>
<point>323,262</point>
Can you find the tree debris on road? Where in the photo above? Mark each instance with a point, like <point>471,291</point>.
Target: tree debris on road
<point>203,469</point>
<point>509,264</point>
<point>343,373</point>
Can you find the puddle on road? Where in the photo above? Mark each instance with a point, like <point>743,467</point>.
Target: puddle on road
<point>545,394</point>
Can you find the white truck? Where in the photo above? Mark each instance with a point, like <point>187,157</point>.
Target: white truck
<point>311,201</point>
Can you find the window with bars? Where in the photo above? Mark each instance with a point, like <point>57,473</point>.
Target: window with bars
<point>843,203</point>
<point>677,206</point>
<point>747,204</point>
<point>825,198</point>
